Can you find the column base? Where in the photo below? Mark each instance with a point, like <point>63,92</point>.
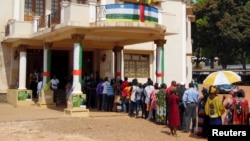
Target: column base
<point>46,99</point>
<point>19,98</point>
<point>26,103</point>
<point>44,105</point>
<point>76,107</point>
<point>77,112</point>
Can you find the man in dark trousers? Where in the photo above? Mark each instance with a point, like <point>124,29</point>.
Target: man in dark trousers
<point>190,100</point>
<point>180,91</point>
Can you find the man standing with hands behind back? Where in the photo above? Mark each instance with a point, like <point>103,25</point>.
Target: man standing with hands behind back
<point>190,100</point>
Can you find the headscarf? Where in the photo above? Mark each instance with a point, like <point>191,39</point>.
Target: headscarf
<point>213,90</point>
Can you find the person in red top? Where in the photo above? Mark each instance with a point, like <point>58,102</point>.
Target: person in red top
<point>173,84</point>
<point>124,83</point>
<point>174,117</point>
<point>240,114</point>
<point>126,101</point>
<point>168,91</point>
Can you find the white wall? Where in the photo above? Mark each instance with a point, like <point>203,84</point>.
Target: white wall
<point>175,59</point>
<point>5,53</point>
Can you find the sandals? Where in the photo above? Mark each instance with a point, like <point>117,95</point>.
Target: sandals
<point>173,135</point>
<point>177,135</point>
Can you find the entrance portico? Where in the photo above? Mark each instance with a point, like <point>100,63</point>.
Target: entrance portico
<point>76,33</point>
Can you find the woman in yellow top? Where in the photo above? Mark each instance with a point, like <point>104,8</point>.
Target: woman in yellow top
<point>214,107</point>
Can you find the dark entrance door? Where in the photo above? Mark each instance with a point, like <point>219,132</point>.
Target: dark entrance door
<point>59,66</point>
<point>87,63</point>
<point>34,64</point>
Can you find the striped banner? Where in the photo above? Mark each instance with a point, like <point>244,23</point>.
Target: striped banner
<point>131,12</point>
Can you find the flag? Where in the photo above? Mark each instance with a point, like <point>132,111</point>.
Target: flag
<point>142,15</point>
<point>131,12</point>
<point>47,86</point>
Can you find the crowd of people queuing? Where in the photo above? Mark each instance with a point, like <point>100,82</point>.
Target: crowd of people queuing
<point>185,109</point>
<point>178,107</point>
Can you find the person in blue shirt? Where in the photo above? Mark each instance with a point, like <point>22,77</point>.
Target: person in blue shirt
<point>190,100</point>
<point>110,96</point>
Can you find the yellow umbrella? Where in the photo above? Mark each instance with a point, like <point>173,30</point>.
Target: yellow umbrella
<point>222,77</point>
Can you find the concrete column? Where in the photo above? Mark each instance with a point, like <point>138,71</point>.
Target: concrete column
<point>184,41</point>
<point>160,60</point>
<point>160,16</point>
<point>77,63</point>
<point>92,10</point>
<point>122,64</point>
<point>118,61</point>
<point>36,23</point>
<point>103,3</point>
<point>48,10</point>
<point>47,62</point>
<point>22,67</point>
<point>189,72</point>
<point>16,12</point>
<point>63,5</point>
<point>11,26</point>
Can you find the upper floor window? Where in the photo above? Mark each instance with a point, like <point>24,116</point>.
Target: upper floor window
<point>136,65</point>
<point>40,8</point>
<point>55,6</point>
<point>55,11</point>
<point>28,8</point>
<point>33,8</point>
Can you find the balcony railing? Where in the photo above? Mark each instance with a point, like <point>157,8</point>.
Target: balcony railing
<point>54,19</point>
<point>100,13</point>
<point>85,14</point>
<point>15,29</point>
<point>49,20</point>
<point>7,30</point>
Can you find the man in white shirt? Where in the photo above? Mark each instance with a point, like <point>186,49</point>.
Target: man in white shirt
<point>147,93</point>
<point>104,94</point>
<point>54,83</point>
<point>39,88</point>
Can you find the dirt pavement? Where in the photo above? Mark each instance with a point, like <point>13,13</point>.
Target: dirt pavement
<point>42,124</point>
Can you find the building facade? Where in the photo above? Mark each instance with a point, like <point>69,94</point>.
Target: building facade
<point>114,38</point>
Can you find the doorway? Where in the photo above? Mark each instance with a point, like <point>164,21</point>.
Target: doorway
<point>59,66</point>
<point>87,63</point>
<point>34,64</point>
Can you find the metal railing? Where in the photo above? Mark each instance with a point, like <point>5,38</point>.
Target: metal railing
<point>7,30</point>
<point>49,20</point>
<point>55,17</point>
<point>100,13</point>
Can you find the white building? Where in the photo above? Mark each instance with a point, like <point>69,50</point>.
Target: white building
<point>114,37</point>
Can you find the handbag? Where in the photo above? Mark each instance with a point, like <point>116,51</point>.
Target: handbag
<point>118,99</point>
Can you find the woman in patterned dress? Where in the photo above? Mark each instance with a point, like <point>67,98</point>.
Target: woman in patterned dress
<point>240,116</point>
<point>203,119</point>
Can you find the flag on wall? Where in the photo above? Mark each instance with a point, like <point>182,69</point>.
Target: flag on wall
<point>142,15</point>
<point>131,12</point>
